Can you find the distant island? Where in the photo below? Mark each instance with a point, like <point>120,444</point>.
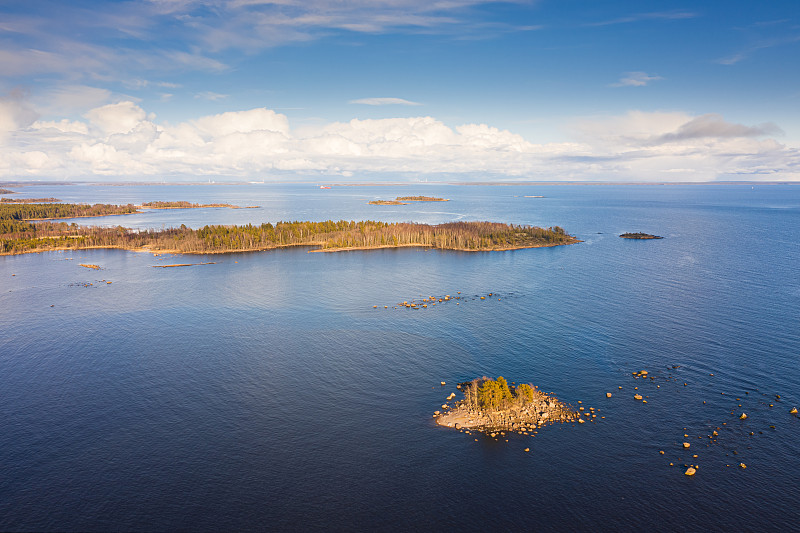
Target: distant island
<point>421,199</point>
<point>188,205</point>
<point>494,405</point>
<point>403,200</point>
<point>16,211</point>
<point>18,234</point>
<point>6,191</point>
<point>28,200</point>
<point>387,202</point>
<point>639,236</point>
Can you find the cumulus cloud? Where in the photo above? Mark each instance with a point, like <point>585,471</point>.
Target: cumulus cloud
<point>713,125</point>
<point>121,117</point>
<point>123,140</point>
<point>635,79</point>
<point>674,146</point>
<point>15,113</point>
<point>383,101</point>
<point>253,120</point>
<point>62,126</point>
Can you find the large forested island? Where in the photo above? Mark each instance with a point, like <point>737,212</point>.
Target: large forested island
<point>493,405</point>
<point>18,234</point>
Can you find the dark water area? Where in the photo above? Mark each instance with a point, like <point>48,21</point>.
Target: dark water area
<point>265,391</point>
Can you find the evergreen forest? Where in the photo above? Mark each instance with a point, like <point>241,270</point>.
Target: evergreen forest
<point>19,235</point>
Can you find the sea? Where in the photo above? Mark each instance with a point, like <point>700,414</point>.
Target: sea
<point>286,390</point>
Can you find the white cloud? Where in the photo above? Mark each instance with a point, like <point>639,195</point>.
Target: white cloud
<point>635,79</point>
<point>71,41</point>
<point>383,101</point>
<point>15,113</point>
<point>713,125</point>
<point>62,126</point>
<point>123,140</point>
<point>208,95</point>
<point>253,120</point>
<point>68,99</point>
<point>122,117</point>
<point>640,17</point>
<point>763,43</point>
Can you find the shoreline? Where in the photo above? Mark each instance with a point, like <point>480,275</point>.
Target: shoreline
<point>147,249</point>
<point>495,249</point>
<point>54,233</point>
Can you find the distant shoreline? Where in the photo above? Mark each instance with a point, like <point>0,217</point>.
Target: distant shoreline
<point>383,184</point>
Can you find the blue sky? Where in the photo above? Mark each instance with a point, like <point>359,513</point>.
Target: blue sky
<point>400,89</point>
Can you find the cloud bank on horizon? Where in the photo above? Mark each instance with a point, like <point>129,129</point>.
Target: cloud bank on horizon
<point>366,90</point>
<point>123,140</point>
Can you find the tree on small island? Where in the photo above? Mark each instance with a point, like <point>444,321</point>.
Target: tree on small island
<point>493,395</point>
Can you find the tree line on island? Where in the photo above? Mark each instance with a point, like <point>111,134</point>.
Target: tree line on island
<point>41,211</point>
<point>27,200</point>
<point>18,235</point>
<point>487,394</point>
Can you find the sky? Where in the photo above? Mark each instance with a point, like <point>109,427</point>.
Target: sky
<point>400,90</point>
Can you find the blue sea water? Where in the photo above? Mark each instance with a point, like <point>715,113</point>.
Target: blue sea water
<point>266,392</point>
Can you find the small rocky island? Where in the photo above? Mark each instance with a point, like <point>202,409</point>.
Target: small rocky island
<point>493,405</point>
<point>639,235</point>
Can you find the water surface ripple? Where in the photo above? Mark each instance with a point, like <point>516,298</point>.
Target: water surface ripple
<point>266,392</point>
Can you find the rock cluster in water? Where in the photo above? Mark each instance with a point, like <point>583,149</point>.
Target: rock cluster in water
<point>424,302</point>
<point>524,409</point>
<point>733,435</point>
